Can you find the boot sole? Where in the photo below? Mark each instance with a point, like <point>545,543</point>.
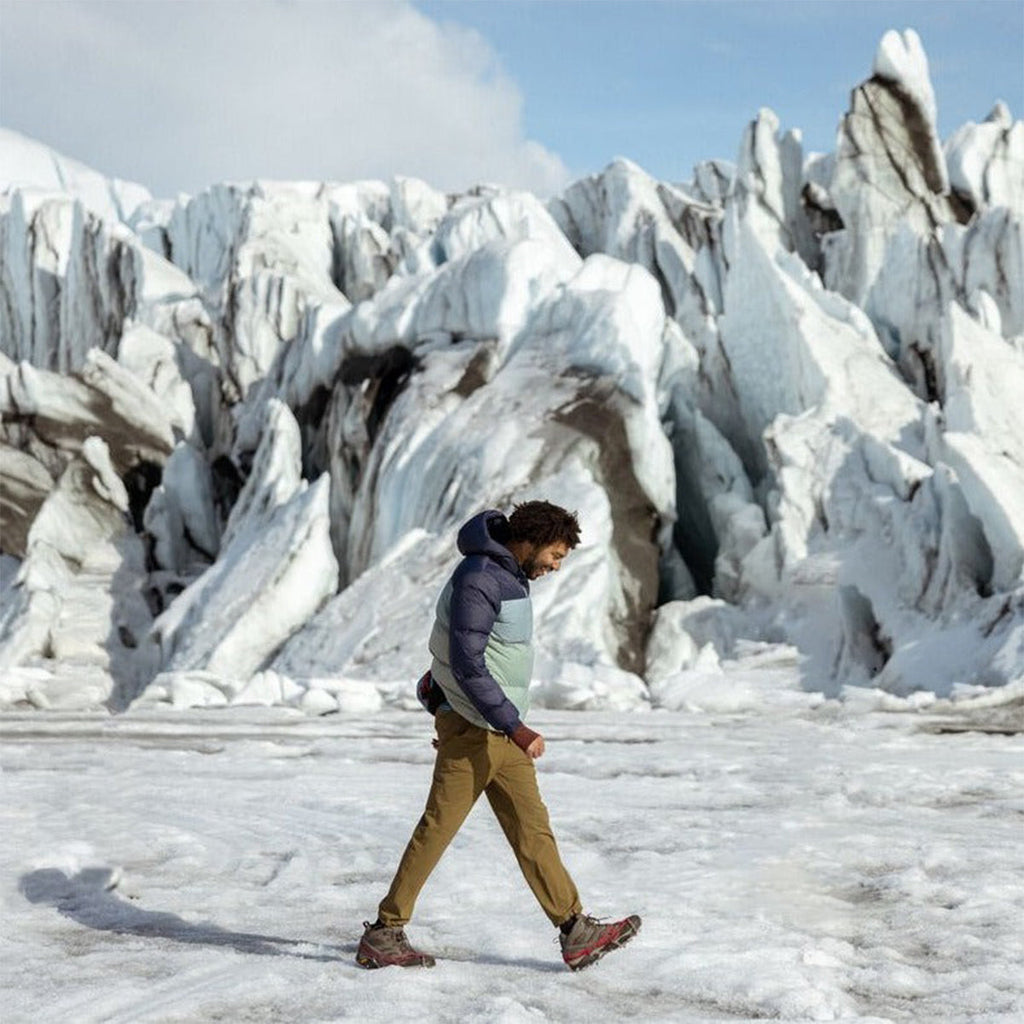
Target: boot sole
<point>372,965</point>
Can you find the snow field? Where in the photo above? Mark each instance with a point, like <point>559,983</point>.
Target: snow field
<point>800,864</point>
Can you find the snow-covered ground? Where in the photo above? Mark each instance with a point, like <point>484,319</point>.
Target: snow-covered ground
<point>808,859</point>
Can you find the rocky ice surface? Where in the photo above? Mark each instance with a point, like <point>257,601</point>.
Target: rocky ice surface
<point>240,429</point>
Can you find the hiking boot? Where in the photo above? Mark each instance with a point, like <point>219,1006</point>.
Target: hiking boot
<point>590,939</point>
<point>388,947</point>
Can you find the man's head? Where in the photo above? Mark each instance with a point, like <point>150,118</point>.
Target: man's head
<point>540,536</point>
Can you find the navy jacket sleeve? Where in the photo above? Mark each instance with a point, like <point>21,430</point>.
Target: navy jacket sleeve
<point>474,607</point>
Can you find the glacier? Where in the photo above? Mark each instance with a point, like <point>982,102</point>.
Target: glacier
<point>240,429</point>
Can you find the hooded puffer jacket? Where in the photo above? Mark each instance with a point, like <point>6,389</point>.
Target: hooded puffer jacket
<point>482,640</point>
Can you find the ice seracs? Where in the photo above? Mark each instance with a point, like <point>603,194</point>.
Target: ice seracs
<point>983,436</point>
<point>72,282</point>
<point>768,184</point>
<point>275,568</point>
<point>181,517</point>
<point>30,165</point>
<point>889,169</point>
<point>986,161</point>
<point>782,397</point>
<point>261,256</point>
<point>104,398</point>
<point>77,603</point>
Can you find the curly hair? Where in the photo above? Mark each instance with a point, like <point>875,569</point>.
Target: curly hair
<point>541,523</point>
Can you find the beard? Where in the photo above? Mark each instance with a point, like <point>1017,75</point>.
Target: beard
<point>532,570</point>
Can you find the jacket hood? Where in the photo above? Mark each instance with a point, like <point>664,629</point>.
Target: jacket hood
<point>478,537</point>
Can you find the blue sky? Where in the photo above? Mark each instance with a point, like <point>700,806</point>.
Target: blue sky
<point>671,83</point>
<point>178,95</point>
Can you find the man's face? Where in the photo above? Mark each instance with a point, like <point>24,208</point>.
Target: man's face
<point>542,560</point>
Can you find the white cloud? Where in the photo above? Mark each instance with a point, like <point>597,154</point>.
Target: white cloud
<point>179,95</point>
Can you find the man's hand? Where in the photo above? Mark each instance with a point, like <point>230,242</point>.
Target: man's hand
<point>529,742</point>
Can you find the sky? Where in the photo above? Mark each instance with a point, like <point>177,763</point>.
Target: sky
<point>178,95</point>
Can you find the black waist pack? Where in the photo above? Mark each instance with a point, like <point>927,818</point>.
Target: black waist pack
<point>429,694</point>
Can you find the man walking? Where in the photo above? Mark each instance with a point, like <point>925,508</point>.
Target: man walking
<point>478,689</point>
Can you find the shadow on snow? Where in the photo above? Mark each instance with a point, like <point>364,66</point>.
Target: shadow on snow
<point>88,899</point>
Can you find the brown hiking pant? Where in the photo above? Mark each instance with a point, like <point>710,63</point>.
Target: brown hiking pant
<point>471,761</point>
